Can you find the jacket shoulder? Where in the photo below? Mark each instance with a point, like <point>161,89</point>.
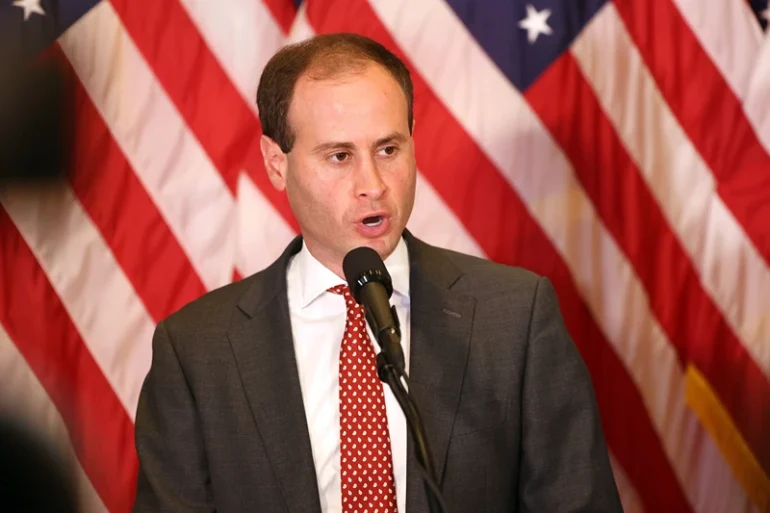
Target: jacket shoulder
<point>486,277</point>
<point>218,309</point>
<point>212,311</point>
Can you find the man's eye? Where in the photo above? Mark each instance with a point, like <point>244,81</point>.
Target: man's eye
<point>339,156</point>
<point>389,150</point>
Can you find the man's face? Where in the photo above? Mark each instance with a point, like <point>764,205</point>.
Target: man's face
<point>350,176</point>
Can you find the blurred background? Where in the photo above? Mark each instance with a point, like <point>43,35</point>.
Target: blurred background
<point>620,148</point>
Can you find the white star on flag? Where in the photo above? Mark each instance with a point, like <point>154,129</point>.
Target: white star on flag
<point>29,7</point>
<point>535,23</point>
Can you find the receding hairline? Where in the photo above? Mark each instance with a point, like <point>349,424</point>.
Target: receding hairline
<point>338,74</point>
<point>330,63</point>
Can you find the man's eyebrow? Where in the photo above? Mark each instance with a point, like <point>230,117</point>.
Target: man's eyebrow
<point>332,145</point>
<point>396,137</point>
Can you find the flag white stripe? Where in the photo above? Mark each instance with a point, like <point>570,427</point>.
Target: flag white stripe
<point>300,27</point>
<point>729,34</point>
<point>758,97</point>
<point>166,157</point>
<point>113,322</point>
<point>489,104</point>
<point>629,497</point>
<point>436,224</point>
<point>23,399</point>
<point>242,35</point>
<point>262,233</point>
<point>679,179</point>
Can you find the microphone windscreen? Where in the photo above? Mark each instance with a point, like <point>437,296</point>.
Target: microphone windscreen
<point>362,265</point>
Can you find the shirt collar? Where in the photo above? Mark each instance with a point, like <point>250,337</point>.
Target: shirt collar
<point>315,278</point>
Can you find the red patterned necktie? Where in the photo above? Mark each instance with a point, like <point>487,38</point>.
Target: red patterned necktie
<point>366,463</point>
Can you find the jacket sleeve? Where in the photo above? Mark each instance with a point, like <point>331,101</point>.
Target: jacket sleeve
<point>173,473</point>
<point>565,463</point>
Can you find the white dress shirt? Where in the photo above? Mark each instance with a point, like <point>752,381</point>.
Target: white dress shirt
<point>318,323</point>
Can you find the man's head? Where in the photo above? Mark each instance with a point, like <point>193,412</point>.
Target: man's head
<point>336,114</point>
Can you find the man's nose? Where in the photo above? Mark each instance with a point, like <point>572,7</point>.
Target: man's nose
<point>370,184</point>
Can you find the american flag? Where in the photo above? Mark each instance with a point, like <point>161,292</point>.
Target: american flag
<point>621,148</point>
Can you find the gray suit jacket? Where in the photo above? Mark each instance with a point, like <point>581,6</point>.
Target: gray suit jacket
<point>506,400</point>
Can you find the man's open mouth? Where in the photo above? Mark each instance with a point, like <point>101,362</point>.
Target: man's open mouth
<point>373,221</point>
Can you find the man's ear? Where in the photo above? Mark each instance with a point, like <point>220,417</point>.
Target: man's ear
<point>275,162</point>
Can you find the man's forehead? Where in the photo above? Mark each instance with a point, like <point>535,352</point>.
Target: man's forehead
<point>316,79</point>
<point>305,105</point>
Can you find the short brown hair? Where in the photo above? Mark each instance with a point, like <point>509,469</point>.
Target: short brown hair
<point>321,57</point>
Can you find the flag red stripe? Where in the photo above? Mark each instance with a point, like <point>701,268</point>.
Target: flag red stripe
<point>500,223</point>
<point>200,89</point>
<point>707,109</point>
<point>283,11</point>
<point>568,107</point>
<point>101,431</point>
<point>126,216</point>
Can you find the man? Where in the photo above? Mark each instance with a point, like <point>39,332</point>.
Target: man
<point>255,403</point>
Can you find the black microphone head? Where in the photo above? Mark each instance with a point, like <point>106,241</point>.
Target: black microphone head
<point>363,265</point>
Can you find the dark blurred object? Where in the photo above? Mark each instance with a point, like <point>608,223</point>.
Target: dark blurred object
<point>36,122</point>
<point>32,478</point>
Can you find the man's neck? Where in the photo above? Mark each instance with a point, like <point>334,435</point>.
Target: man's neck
<point>331,261</point>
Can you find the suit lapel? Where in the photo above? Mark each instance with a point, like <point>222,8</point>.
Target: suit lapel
<point>441,322</point>
<point>264,352</point>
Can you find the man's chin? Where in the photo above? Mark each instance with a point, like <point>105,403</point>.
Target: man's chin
<point>384,245</point>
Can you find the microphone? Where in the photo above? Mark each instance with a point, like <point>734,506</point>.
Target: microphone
<point>371,286</point>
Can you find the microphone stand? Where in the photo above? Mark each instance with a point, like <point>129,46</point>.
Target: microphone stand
<point>391,373</point>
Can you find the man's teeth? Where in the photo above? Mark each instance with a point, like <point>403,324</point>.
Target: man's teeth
<point>373,221</point>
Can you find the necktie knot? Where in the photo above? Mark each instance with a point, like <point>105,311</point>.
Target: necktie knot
<point>354,310</point>
<point>342,290</point>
